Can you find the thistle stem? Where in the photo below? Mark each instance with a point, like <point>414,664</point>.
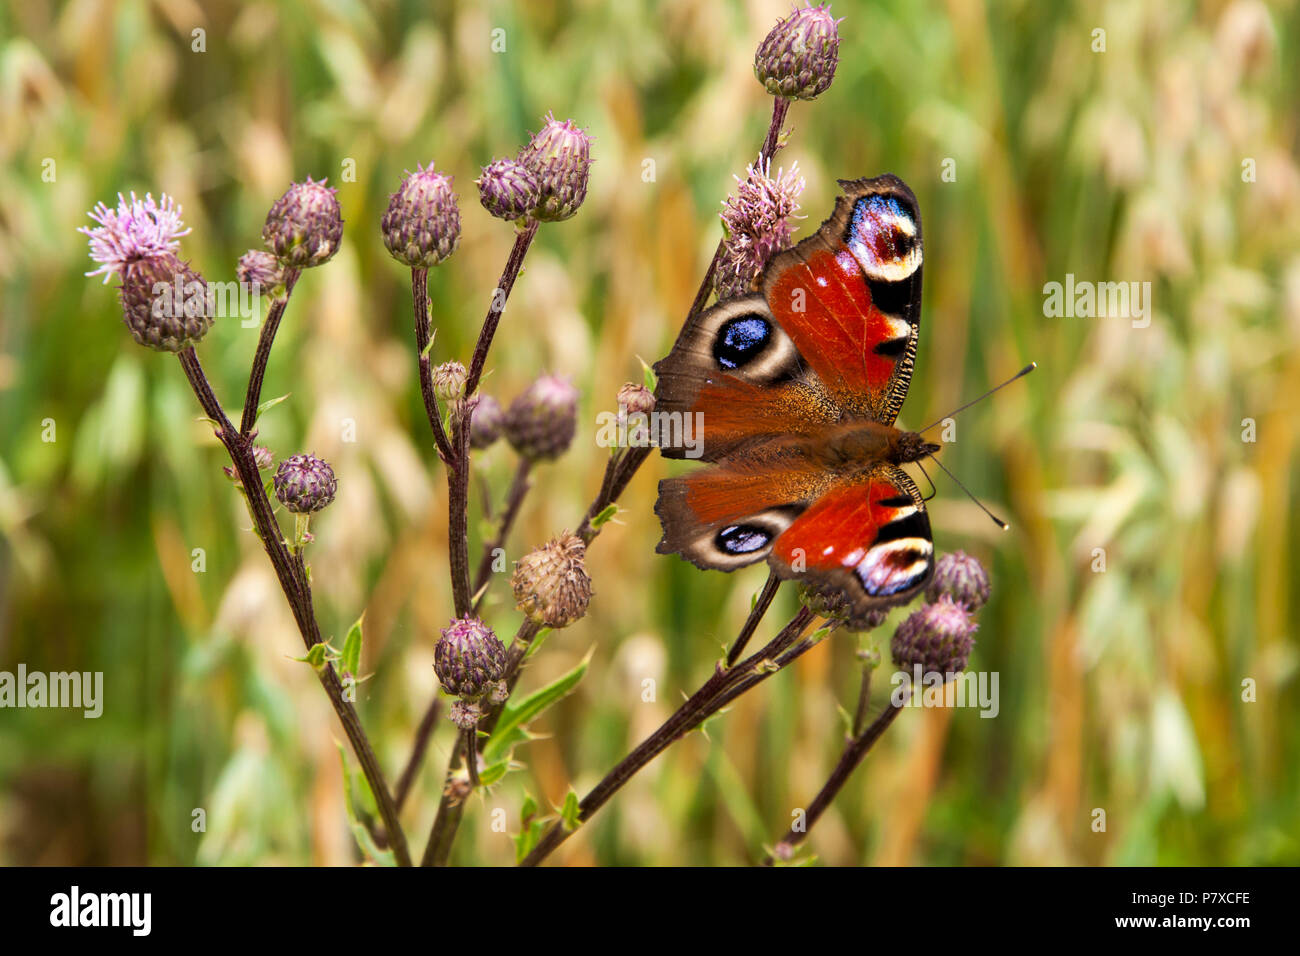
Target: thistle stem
<point>265,339</point>
<point>853,754</point>
<point>514,500</point>
<point>706,701</point>
<point>755,615</point>
<point>423,338</point>
<point>514,265</point>
<point>291,573</point>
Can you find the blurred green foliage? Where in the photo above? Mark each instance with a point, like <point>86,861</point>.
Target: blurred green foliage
<point>1167,157</point>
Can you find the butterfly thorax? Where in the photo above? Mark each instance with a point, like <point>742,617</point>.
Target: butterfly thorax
<point>859,445</point>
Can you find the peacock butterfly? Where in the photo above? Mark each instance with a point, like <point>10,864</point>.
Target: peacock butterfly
<point>796,386</point>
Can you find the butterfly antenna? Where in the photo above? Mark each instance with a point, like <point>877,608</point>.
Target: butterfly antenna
<point>933,490</point>
<point>996,520</point>
<point>1021,374</point>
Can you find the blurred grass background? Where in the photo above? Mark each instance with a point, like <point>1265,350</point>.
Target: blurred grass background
<point>1120,690</point>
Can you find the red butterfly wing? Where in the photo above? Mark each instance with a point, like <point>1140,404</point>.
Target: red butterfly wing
<point>849,297</point>
<point>869,539</point>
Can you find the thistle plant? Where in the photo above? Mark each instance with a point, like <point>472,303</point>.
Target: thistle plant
<point>551,584</point>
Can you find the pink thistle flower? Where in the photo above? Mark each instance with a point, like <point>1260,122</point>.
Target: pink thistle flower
<point>137,229</point>
<point>757,224</point>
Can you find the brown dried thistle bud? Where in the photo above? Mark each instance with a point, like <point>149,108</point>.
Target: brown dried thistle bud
<point>551,584</point>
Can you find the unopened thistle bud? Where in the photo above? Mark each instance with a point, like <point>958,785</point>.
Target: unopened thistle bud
<point>262,457</point>
<point>469,658</point>
<point>797,58</point>
<point>305,484</point>
<point>449,381</point>
<point>541,422</point>
<point>559,157</point>
<point>962,578</point>
<point>422,224</point>
<point>165,303</point>
<point>305,225</point>
<point>260,268</point>
<point>551,584</point>
<point>636,399</point>
<point>485,422</point>
<point>937,637</point>
<point>508,190</point>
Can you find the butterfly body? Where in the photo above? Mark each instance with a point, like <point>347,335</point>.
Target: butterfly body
<point>797,386</point>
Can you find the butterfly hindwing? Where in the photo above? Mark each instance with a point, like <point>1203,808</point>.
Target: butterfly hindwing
<point>868,539</point>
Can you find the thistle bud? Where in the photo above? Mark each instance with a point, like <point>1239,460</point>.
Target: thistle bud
<point>165,303</point>
<point>305,484</point>
<point>541,422</point>
<point>262,270</point>
<point>551,584</point>
<point>449,380</point>
<point>797,58</point>
<point>508,190</point>
<point>636,399</point>
<point>559,157</point>
<point>422,225</point>
<point>831,603</point>
<point>469,658</point>
<point>305,225</point>
<point>485,422</point>
<point>962,578</point>
<point>936,637</point>
<point>262,457</point>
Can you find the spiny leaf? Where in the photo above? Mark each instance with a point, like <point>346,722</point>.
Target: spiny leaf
<point>510,728</point>
<point>605,514</point>
<point>570,814</point>
<point>359,831</point>
<point>271,403</point>
<point>351,656</point>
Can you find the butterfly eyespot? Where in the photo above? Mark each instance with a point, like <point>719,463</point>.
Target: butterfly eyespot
<point>741,340</point>
<point>742,539</point>
<point>883,237</point>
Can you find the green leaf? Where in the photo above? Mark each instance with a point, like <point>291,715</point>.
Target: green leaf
<point>606,513</point>
<point>359,831</point>
<point>351,656</point>
<point>510,729</point>
<point>569,813</point>
<point>531,828</point>
<point>648,375</point>
<point>318,655</point>
<point>271,403</point>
